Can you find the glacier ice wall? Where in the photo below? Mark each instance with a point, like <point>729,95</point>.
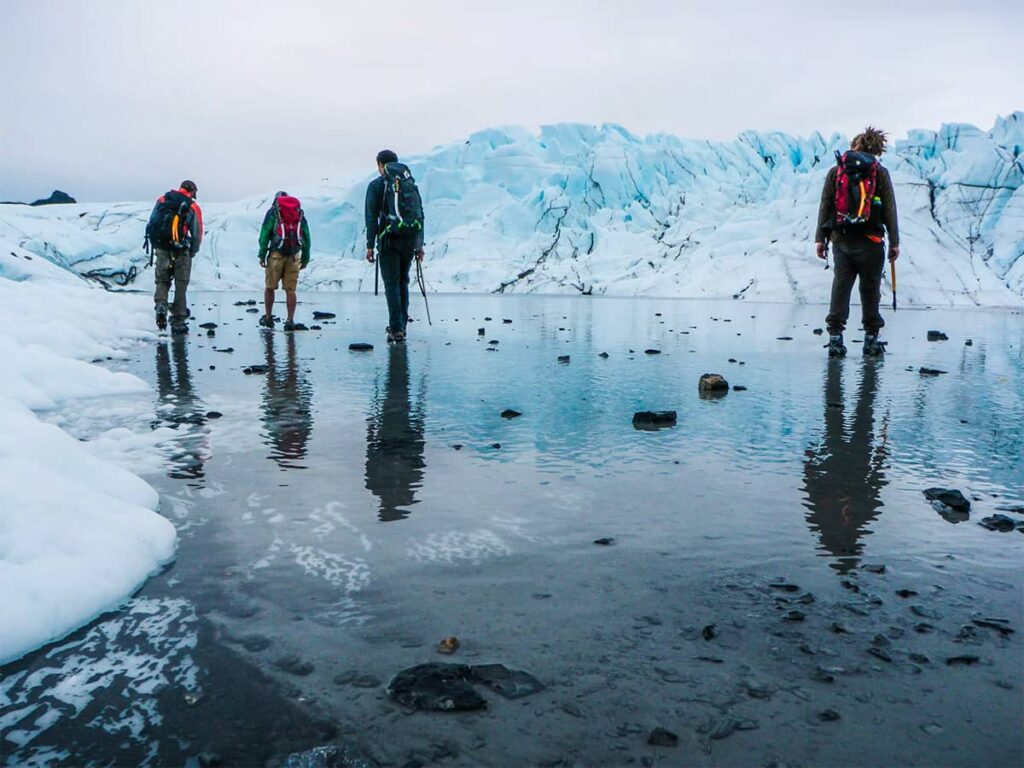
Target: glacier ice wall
<point>598,210</point>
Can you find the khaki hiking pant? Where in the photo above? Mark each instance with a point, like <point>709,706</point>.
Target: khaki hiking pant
<point>283,269</point>
<point>177,267</point>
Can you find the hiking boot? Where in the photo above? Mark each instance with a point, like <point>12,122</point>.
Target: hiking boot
<point>289,325</point>
<point>398,336</point>
<point>178,327</point>
<point>390,334</point>
<point>161,318</point>
<point>267,321</point>
<point>872,346</point>
<point>836,348</point>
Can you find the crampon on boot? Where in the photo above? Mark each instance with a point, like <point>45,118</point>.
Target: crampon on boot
<point>872,346</point>
<point>836,348</point>
<point>161,318</point>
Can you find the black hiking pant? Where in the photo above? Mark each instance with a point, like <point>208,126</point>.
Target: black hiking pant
<point>863,263</point>
<point>395,258</point>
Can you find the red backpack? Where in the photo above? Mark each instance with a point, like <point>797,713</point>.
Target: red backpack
<point>856,182</point>
<point>288,230</point>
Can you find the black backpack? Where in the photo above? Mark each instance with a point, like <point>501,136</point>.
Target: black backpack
<point>169,230</point>
<point>402,211</point>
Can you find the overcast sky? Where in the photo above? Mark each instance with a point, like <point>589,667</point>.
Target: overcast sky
<point>119,100</point>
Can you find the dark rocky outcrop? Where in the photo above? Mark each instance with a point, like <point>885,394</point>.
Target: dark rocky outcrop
<point>436,687</point>
<point>951,497</point>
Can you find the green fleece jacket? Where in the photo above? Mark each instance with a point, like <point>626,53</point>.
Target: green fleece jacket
<point>267,235</point>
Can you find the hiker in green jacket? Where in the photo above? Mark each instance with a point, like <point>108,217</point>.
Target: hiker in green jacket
<point>284,250</point>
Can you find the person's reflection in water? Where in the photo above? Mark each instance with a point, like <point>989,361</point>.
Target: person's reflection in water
<point>394,441</point>
<point>181,409</point>
<point>845,473</point>
<point>287,405</point>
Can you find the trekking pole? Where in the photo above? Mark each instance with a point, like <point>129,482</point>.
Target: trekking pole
<point>376,275</point>
<point>892,272</point>
<point>423,288</point>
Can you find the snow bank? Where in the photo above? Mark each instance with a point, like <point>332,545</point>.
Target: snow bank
<point>77,533</point>
<point>578,208</point>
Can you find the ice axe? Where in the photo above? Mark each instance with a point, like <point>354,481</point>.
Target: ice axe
<point>423,287</point>
<point>892,274</point>
<point>376,275</point>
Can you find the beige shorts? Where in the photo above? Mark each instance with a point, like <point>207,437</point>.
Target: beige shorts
<point>283,269</point>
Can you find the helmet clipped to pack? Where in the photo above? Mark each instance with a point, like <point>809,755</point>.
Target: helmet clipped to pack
<point>190,186</point>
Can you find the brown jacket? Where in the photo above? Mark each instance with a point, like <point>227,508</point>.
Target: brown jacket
<point>855,235</point>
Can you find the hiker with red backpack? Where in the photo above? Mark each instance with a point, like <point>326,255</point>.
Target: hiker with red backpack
<point>173,236</point>
<point>284,250</point>
<point>394,225</point>
<point>857,213</point>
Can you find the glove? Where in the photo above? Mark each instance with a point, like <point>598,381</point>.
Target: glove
<point>263,262</point>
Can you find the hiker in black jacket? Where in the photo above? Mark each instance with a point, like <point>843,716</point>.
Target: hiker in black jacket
<point>857,236</point>
<point>394,224</point>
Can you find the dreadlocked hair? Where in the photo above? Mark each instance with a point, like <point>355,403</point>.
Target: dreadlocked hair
<point>872,140</point>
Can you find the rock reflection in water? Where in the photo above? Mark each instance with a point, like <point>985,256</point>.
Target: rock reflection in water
<point>394,440</point>
<point>181,408</point>
<point>287,414</point>
<point>845,472</point>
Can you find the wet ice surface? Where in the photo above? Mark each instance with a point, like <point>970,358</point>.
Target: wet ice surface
<point>332,534</point>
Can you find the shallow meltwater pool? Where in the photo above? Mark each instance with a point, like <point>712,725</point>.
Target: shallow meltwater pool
<point>764,578</point>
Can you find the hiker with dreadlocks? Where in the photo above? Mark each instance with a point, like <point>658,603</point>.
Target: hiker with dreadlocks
<point>857,213</point>
<point>394,225</point>
<point>284,251</point>
<point>173,236</point>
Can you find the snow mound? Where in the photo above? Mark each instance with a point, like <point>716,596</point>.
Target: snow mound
<point>598,210</point>
<point>77,534</point>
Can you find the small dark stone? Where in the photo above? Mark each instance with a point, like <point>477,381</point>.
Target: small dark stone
<point>563,358</point>
<point>880,653</point>
<point>652,351</point>
<point>785,586</point>
<point>965,660</point>
<point>254,369</point>
<point>496,446</point>
<point>315,327</point>
<point>649,420</point>
<point>207,326</point>
<point>360,346</point>
<point>605,542</point>
<point>333,756</point>
<point>249,303</point>
<point>712,382</point>
<point>828,716</point>
<point>919,658</point>
<point>481,331</point>
<point>924,613</point>
<point>660,737</point>
<point>937,336</point>
<point>784,338</point>
<point>906,593</point>
<point>507,320</point>
<point>365,681</point>
<point>210,334</point>
<point>252,310</point>
<point>923,628</point>
<point>1000,625</point>
<point>794,616</point>
<point>929,371</point>
<point>510,683</point>
<point>436,687</point>
<point>1001,523</point>
<point>838,628</point>
<point>603,355</point>
<point>293,665</point>
<point>709,632</point>
<point>969,343</point>
<point>508,413</point>
<point>739,388</point>
<point>226,350</point>
<point>951,497</point>
<point>873,568</point>
<point>321,315</point>
<point>817,331</point>
<point>213,414</point>
<point>494,342</point>
<point>457,446</point>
